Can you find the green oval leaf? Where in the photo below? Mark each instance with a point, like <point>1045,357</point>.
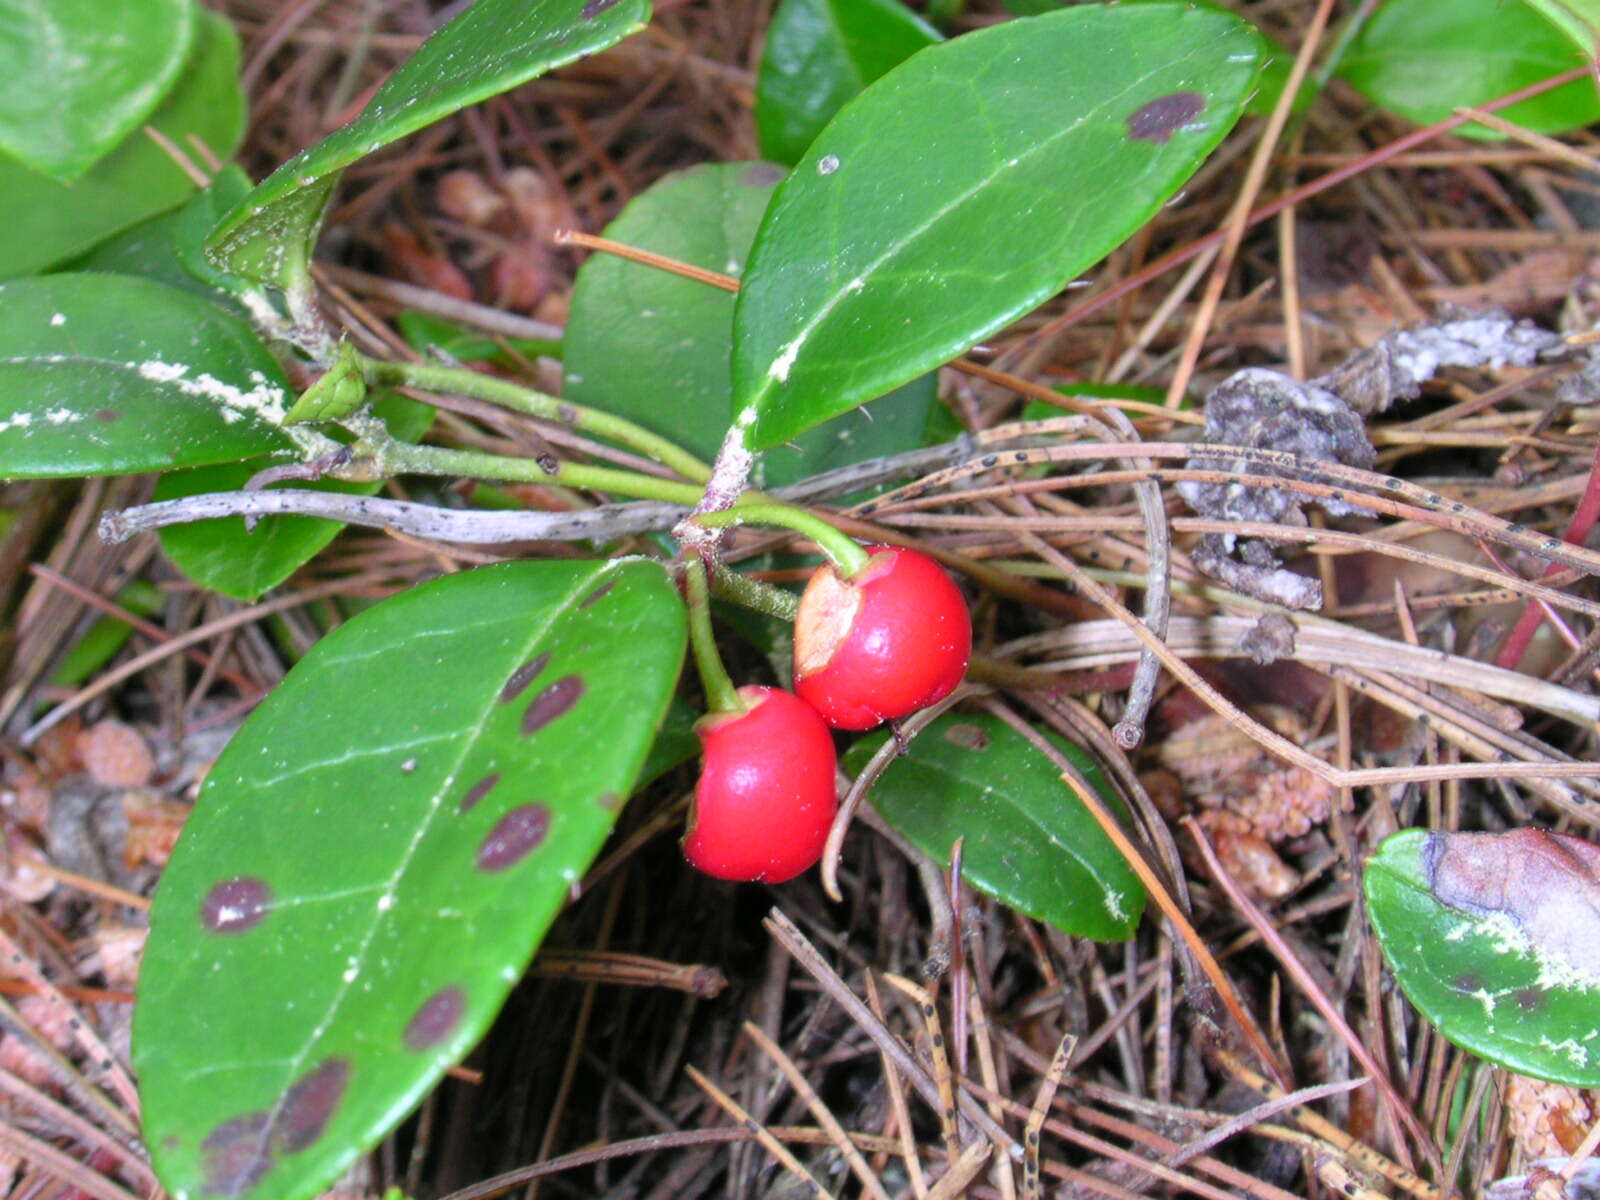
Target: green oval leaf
<point>1029,842</point>
<point>222,556</point>
<point>821,53</point>
<point>1476,973</point>
<point>492,47</point>
<point>167,248</point>
<point>1423,60</point>
<point>654,347</point>
<point>108,374</point>
<point>44,221</point>
<point>77,76</point>
<point>965,187</point>
<point>376,856</point>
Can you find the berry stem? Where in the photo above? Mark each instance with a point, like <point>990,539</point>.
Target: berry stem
<point>721,695</point>
<point>462,382</point>
<point>740,589</point>
<point>843,551</point>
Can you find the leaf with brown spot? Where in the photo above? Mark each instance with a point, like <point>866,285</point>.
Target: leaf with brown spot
<point>1496,940</point>
<point>385,848</point>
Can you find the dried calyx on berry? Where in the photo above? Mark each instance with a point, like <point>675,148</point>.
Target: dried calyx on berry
<point>892,638</point>
<point>766,796</point>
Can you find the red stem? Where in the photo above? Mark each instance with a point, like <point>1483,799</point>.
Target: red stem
<point>1583,520</point>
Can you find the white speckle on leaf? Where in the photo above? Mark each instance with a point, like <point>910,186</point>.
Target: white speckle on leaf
<point>264,401</point>
<point>827,164</point>
<point>386,902</point>
<point>784,363</point>
<point>59,319</point>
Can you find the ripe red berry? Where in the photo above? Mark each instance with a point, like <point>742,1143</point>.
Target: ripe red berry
<point>766,795</point>
<point>881,645</point>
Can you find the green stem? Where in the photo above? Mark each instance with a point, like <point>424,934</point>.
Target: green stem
<point>750,593</point>
<point>429,378</point>
<point>843,551</point>
<point>402,458</point>
<point>721,695</point>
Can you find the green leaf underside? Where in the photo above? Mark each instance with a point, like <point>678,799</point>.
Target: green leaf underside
<point>965,187</point>
<point>376,856</point>
<point>43,222</point>
<point>221,556</point>
<point>820,54</point>
<point>1473,980</point>
<point>490,48</point>
<point>109,374</point>
<point>1423,60</point>
<point>77,76</point>
<point>168,248</point>
<point>1028,842</point>
<point>674,376</point>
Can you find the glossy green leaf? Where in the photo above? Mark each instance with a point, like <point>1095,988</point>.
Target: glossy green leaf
<point>821,53</point>
<point>78,76</point>
<point>1578,19</point>
<point>654,347</point>
<point>1423,60</point>
<point>1029,842</point>
<point>44,222</point>
<point>223,556</point>
<point>168,247</point>
<point>109,374</point>
<point>967,186</point>
<point>377,854</point>
<point>490,48</point>
<point>1476,974</point>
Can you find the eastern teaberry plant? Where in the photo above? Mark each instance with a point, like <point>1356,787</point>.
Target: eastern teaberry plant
<point>370,868</point>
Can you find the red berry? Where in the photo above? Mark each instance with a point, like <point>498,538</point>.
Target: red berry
<point>879,646</point>
<point>766,795</point>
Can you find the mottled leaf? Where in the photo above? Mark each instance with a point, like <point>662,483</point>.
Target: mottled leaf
<point>1029,842</point>
<point>490,48</point>
<point>377,854</point>
<point>1496,939</point>
<point>654,347</point>
<point>967,186</point>
<point>821,53</point>
<point>78,76</point>
<point>109,374</point>
<point>44,222</point>
<point>1423,60</point>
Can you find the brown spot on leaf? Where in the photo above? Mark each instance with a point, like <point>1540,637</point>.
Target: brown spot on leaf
<point>436,1018</point>
<point>1546,885</point>
<point>554,701</point>
<point>761,174</point>
<point>522,677</point>
<point>610,801</point>
<point>968,737</point>
<point>107,416</point>
<point>1157,120</point>
<point>235,1156</point>
<point>594,8</point>
<point>308,1104</point>
<point>236,905</point>
<point>514,837</point>
<point>1529,999</point>
<point>597,595</point>
<point>478,791</point>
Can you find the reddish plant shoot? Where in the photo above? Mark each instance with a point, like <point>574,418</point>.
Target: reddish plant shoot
<point>766,795</point>
<point>876,647</point>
